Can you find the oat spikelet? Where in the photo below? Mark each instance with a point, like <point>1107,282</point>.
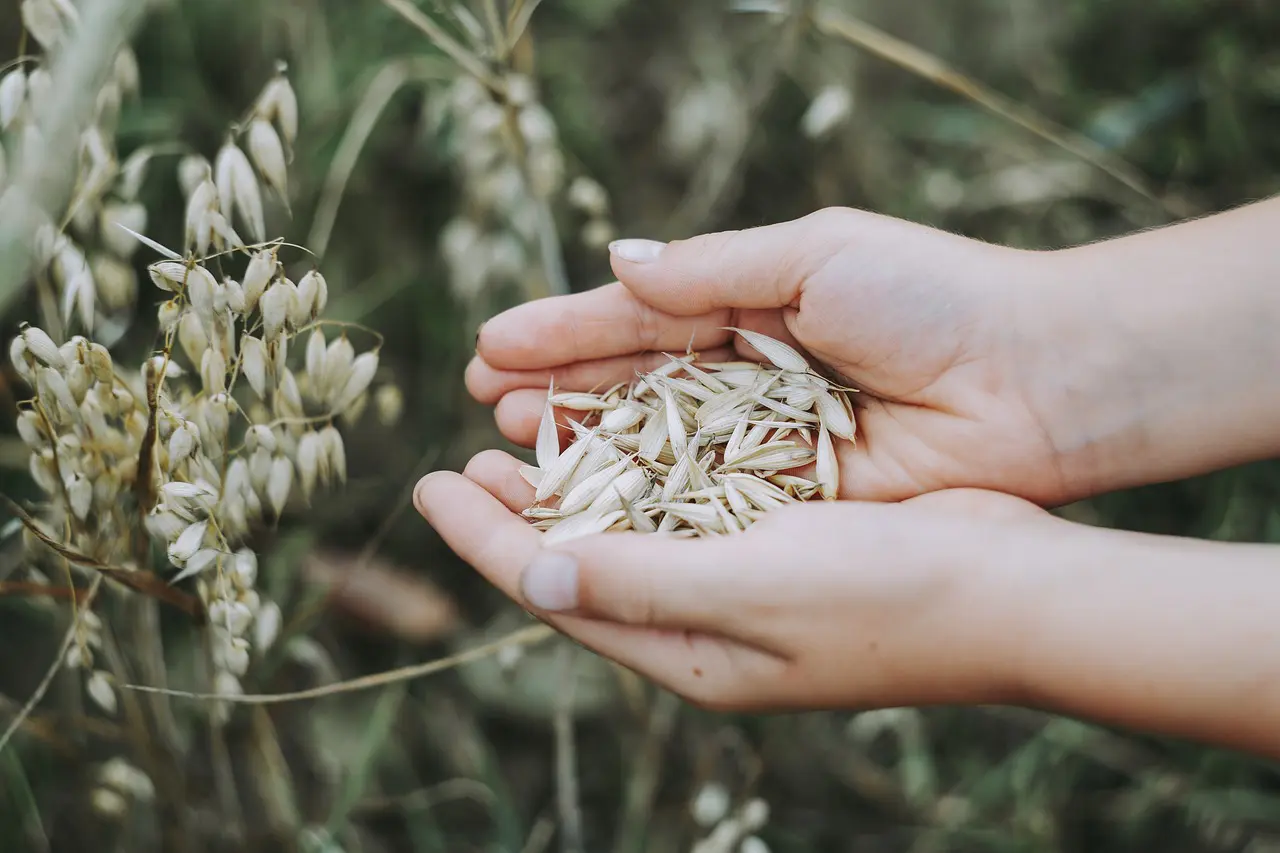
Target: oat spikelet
<point>690,448</point>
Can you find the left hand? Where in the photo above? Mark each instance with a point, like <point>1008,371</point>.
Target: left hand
<point>848,604</point>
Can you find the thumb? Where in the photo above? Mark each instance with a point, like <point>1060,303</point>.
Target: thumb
<point>636,579</point>
<point>763,267</point>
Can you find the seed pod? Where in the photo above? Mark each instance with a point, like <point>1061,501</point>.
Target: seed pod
<point>13,95</point>
<point>268,155</point>
<point>116,283</point>
<point>80,494</point>
<point>297,312</point>
<point>266,626</point>
<point>198,228</point>
<point>362,373</point>
<point>236,656</point>
<point>198,562</point>
<point>201,286</point>
<point>389,403</point>
<point>168,275</point>
<point>238,188</point>
<point>828,466</point>
<point>288,399</point>
<point>187,543</point>
<point>168,314</point>
<point>40,345</point>
<point>279,484</point>
<point>213,371</point>
<point>125,71</point>
<point>245,568</point>
<point>99,361</point>
<point>335,453</point>
<point>260,435</point>
<point>309,451</point>
<point>31,429</point>
<point>42,21</point>
<point>217,419</point>
<point>234,296</point>
<point>262,266</point>
<point>78,381</point>
<point>192,337</point>
<point>777,353</point>
<point>185,492</point>
<point>276,303</point>
<point>313,294</point>
<point>316,350</point>
<point>279,104</point>
<point>98,686</point>
<point>21,358</point>
<point>253,361</point>
<point>338,362</point>
<point>51,386</point>
<point>181,445</point>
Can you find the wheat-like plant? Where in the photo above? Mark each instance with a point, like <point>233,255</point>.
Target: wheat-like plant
<point>155,475</point>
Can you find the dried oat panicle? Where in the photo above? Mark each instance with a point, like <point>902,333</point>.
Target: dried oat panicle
<point>690,448</point>
<point>232,420</point>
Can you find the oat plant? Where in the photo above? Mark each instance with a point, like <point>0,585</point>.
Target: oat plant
<point>155,476</point>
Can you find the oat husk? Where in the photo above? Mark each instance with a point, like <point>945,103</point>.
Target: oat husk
<point>691,448</point>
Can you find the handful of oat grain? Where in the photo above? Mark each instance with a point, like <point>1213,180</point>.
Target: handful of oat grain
<point>691,449</point>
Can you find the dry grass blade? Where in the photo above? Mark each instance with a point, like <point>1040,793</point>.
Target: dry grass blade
<point>36,695</point>
<point>467,60</point>
<point>932,68</point>
<point>523,637</point>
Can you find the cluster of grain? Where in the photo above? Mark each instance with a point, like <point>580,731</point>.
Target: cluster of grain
<point>690,449</point>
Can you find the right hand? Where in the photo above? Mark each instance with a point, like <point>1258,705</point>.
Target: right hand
<point>934,329</point>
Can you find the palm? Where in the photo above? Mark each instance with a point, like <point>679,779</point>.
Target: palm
<point>941,402</point>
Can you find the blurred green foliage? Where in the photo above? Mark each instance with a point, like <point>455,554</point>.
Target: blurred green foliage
<point>1188,92</point>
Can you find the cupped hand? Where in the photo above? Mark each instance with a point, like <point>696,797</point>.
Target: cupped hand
<point>935,330</point>
<point>823,604</point>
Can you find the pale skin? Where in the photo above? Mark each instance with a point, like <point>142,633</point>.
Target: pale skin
<point>994,382</point>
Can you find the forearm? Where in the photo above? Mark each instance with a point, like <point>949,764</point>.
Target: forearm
<point>1164,351</point>
<point>1160,634</point>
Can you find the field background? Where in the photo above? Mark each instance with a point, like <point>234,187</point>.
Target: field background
<point>692,117</point>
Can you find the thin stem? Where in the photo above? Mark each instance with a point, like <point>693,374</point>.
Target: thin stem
<point>523,637</point>
<point>51,672</point>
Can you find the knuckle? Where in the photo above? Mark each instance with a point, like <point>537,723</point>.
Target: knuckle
<point>834,217</point>
<point>482,460</point>
<point>647,326</point>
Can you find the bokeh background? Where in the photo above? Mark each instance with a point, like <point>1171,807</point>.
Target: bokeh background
<point>1025,122</point>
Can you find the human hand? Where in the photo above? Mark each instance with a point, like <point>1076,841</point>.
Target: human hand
<point>822,604</point>
<point>921,321</point>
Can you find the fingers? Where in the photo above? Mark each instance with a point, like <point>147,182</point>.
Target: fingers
<point>762,267</point>
<point>487,384</point>
<point>600,323</point>
<point>499,474</point>
<point>517,415</point>
<point>485,534</point>
<point>646,580</point>
<point>643,579</point>
<point>477,527</point>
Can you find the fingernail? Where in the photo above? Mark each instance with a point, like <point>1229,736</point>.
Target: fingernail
<point>550,582</point>
<point>479,329</point>
<point>637,251</point>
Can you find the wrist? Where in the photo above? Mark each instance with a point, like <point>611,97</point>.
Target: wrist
<point>1144,346</point>
<point>1156,633</point>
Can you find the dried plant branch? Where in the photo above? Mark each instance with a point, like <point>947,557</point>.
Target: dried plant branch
<point>390,78</point>
<point>43,687</point>
<point>523,637</point>
<point>469,62</point>
<point>567,800</point>
<point>932,68</point>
